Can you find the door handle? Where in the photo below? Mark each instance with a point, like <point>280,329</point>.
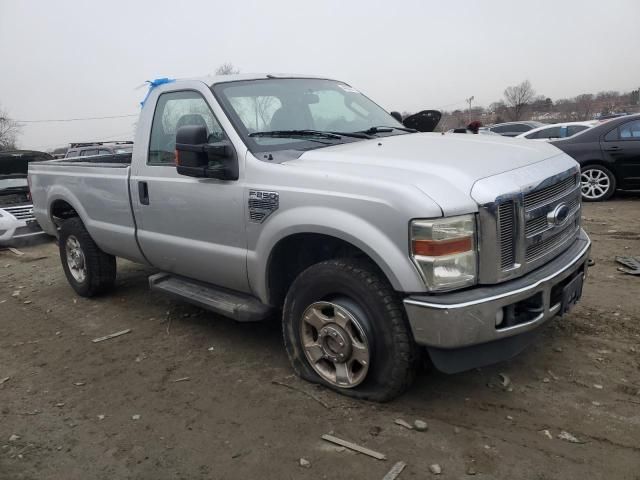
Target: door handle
<point>612,148</point>
<point>143,193</point>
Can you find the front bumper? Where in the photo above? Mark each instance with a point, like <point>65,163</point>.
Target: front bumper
<point>467,319</point>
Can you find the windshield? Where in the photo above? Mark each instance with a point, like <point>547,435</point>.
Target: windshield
<point>281,105</point>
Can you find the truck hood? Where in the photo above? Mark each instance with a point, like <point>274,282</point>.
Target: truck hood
<point>443,167</point>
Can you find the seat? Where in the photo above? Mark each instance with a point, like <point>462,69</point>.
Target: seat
<point>191,119</point>
<point>292,117</point>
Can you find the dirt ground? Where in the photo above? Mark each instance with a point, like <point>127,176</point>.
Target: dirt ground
<point>190,395</point>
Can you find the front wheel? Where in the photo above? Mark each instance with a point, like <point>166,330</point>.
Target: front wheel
<point>89,270</point>
<point>345,327</point>
<point>597,183</point>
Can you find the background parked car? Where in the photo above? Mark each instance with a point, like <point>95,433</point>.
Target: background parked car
<point>609,155</point>
<point>557,130</point>
<point>98,148</point>
<point>512,129</point>
<point>17,221</point>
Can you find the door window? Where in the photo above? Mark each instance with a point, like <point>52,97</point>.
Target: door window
<point>88,153</point>
<point>573,129</point>
<point>519,127</point>
<point>612,136</point>
<point>175,110</point>
<point>630,131</point>
<point>551,132</point>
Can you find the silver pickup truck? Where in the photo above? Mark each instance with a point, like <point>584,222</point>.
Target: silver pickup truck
<point>253,195</point>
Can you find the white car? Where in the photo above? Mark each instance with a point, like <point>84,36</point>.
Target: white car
<point>557,130</point>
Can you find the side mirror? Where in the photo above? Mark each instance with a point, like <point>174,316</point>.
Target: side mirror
<point>396,115</point>
<point>195,157</point>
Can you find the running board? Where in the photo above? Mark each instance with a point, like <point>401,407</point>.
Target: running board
<point>238,306</point>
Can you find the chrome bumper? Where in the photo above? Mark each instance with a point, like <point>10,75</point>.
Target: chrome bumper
<point>467,318</point>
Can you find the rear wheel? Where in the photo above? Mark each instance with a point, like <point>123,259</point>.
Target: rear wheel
<point>345,327</point>
<point>89,270</point>
<point>597,183</point>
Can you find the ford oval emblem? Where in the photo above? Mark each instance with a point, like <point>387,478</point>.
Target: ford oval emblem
<point>558,215</point>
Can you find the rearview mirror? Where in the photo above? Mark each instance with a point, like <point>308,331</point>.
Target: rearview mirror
<point>195,157</point>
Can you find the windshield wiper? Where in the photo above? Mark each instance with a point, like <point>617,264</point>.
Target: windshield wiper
<point>296,133</point>
<point>385,129</point>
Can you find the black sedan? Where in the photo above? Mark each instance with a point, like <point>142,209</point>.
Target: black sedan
<point>609,157</point>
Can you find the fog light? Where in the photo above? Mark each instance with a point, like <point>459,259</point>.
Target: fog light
<point>499,317</point>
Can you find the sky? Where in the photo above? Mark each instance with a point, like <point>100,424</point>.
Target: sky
<point>74,59</point>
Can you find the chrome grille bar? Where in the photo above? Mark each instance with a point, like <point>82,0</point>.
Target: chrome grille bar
<point>549,194</point>
<point>507,222</point>
<point>23,212</point>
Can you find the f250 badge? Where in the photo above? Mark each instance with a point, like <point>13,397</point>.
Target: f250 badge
<point>262,204</point>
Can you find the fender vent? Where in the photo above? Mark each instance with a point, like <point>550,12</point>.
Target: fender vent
<point>262,204</point>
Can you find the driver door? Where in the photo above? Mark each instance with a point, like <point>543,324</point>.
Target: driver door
<point>188,226</point>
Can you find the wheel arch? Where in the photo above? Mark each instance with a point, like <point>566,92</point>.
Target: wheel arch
<point>334,233</point>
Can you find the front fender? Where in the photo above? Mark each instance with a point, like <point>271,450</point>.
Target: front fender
<point>391,255</point>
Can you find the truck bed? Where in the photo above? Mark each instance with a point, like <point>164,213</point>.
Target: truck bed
<point>115,159</point>
<point>97,188</point>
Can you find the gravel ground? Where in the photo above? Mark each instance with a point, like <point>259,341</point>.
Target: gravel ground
<point>190,395</point>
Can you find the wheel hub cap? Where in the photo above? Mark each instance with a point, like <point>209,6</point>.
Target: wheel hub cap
<point>75,259</point>
<point>594,183</point>
<point>335,344</point>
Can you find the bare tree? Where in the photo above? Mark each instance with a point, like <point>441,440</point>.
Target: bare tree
<point>584,106</point>
<point>227,69</point>
<point>9,131</point>
<point>517,97</point>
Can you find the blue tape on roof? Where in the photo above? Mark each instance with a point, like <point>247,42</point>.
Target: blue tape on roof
<point>153,84</point>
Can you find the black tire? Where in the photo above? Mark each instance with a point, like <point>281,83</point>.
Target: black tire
<point>596,171</point>
<point>100,267</point>
<point>364,291</point>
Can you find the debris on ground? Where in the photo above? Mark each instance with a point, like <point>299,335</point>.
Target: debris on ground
<point>505,381</point>
<point>15,251</point>
<point>567,437</point>
<point>183,379</point>
<point>597,386</point>
<point>547,434</point>
<point>310,395</point>
<point>354,447</point>
<point>420,425</point>
<point>304,463</point>
<point>101,417</point>
<point>631,264</point>
<point>16,294</point>
<point>395,471</point>
<point>402,423</point>
<point>79,384</point>
<point>375,431</point>
<point>14,438</point>
<point>135,417</point>
<point>435,469</point>
<point>111,335</point>
<point>60,405</point>
<point>5,379</point>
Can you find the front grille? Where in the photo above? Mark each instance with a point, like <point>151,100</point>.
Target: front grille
<point>527,233</point>
<point>23,212</point>
<point>506,220</point>
<point>540,249</point>
<point>550,193</point>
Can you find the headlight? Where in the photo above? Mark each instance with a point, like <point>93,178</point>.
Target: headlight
<point>444,250</point>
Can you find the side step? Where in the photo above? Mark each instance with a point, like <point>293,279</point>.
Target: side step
<point>238,306</point>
